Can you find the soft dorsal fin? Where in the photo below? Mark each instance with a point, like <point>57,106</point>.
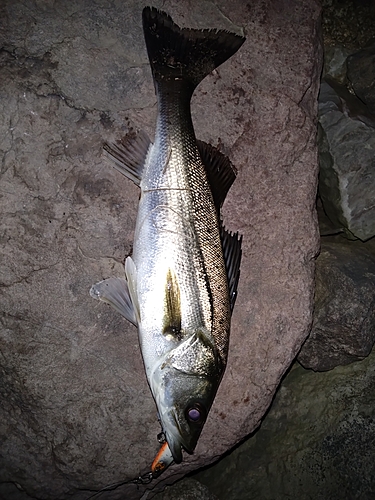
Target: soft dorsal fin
<point>232,252</point>
<point>129,157</point>
<point>115,292</point>
<point>220,172</point>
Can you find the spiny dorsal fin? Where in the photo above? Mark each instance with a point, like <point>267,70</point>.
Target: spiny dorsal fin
<point>220,172</point>
<point>172,315</point>
<point>129,157</point>
<point>232,252</point>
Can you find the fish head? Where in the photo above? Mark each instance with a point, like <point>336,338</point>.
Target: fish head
<point>184,386</point>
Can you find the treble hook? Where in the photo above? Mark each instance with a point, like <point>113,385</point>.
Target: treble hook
<point>162,460</point>
<point>144,478</point>
<point>161,437</point>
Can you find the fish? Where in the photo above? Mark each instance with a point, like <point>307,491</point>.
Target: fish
<point>181,281</point>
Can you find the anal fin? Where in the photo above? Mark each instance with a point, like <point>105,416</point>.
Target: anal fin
<point>130,155</point>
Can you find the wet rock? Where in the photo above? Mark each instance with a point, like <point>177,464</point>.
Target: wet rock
<point>361,73</point>
<point>346,154</point>
<point>343,328</point>
<point>317,441</point>
<point>76,413</point>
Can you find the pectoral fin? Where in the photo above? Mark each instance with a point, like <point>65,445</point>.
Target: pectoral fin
<point>115,292</point>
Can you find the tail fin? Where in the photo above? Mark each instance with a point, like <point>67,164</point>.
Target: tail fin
<point>180,53</point>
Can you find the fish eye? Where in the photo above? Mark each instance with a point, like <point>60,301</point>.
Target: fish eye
<point>195,413</point>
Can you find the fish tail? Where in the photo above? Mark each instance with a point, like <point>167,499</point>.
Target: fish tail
<point>184,54</point>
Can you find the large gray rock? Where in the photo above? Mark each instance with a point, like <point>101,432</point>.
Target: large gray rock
<point>343,328</point>
<point>361,73</point>
<point>346,154</point>
<point>76,413</point>
<point>316,442</point>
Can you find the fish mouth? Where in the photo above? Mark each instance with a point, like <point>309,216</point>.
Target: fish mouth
<point>175,438</point>
<point>176,449</point>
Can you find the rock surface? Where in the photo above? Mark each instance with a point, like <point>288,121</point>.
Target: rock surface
<point>187,489</point>
<point>343,328</point>
<point>348,24</point>
<point>335,63</point>
<point>346,154</point>
<point>361,74</point>
<point>316,442</point>
<point>76,413</point>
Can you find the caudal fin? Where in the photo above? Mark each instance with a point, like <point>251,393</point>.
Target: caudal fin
<point>180,53</point>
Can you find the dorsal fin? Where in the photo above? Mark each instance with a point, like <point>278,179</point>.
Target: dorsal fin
<point>232,252</point>
<point>219,170</point>
<point>129,157</point>
<point>172,302</point>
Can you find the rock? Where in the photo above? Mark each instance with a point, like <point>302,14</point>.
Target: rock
<point>187,489</point>
<point>347,23</point>
<point>335,62</point>
<point>76,413</point>
<point>361,73</point>
<point>326,227</point>
<point>317,441</point>
<point>343,328</point>
<point>346,153</point>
